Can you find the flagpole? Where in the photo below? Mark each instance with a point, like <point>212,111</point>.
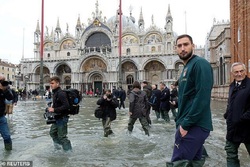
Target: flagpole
<point>41,52</point>
<point>120,43</point>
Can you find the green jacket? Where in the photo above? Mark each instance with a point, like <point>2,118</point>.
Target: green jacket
<point>195,85</point>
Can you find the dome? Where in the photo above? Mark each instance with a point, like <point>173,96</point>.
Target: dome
<point>128,22</point>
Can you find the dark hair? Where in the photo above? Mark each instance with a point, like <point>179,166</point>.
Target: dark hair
<point>136,84</point>
<point>162,83</point>
<point>55,78</point>
<point>145,82</point>
<point>108,90</point>
<point>184,36</point>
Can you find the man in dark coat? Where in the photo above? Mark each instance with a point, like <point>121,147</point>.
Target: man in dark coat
<point>148,89</point>
<point>164,104</point>
<point>173,99</point>
<point>156,107</point>
<point>59,128</point>
<point>108,103</point>
<point>122,98</point>
<point>238,114</point>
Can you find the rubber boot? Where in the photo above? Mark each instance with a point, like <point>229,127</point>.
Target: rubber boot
<point>198,163</point>
<point>180,163</point>
<point>8,146</point>
<point>67,147</point>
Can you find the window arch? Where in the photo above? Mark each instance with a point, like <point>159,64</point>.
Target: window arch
<point>68,53</point>
<point>153,49</point>
<point>130,79</point>
<point>128,51</point>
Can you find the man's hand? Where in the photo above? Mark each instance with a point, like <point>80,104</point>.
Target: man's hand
<point>183,132</point>
<point>50,109</point>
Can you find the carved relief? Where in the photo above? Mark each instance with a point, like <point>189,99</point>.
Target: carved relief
<point>68,44</point>
<point>129,39</point>
<point>63,69</point>
<point>154,66</point>
<point>128,67</point>
<point>94,64</point>
<point>152,39</point>
<point>48,46</point>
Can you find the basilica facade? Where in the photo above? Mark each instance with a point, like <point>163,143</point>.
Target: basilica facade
<point>89,59</point>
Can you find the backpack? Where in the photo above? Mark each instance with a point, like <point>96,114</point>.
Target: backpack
<point>98,112</point>
<point>74,98</point>
<point>153,100</point>
<point>140,99</point>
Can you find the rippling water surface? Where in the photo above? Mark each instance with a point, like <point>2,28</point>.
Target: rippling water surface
<point>31,140</point>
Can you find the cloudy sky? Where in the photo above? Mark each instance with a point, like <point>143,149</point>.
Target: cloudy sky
<point>18,18</point>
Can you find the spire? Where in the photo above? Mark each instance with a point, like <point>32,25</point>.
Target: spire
<point>96,8</point>
<point>169,21</point>
<point>78,24</point>
<point>58,29</point>
<point>37,27</point>
<point>169,16</point>
<point>52,33</point>
<point>141,21</point>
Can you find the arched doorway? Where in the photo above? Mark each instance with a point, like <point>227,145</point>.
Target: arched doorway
<point>154,71</point>
<point>63,71</point>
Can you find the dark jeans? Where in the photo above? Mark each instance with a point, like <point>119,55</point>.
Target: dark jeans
<point>232,153</point>
<point>4,130</point>
<point>121,104</point>
<point>190,146</point>
<point>59,131</point>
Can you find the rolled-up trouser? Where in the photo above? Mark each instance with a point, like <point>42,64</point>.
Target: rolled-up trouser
<point>190,146</point>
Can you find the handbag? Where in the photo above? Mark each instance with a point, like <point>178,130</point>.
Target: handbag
<point>99,112</point>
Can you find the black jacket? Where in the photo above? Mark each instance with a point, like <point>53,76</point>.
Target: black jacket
<point>60,102</point>
<point>109,107</point>
<point>157,93</point>
<point>165,97</point>
<point>6,94</point>
<point>15,96</point>
<point>238,112</point>
<point>122,95</point>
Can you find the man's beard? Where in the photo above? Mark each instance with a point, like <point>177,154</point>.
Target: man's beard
<point>187,56</point>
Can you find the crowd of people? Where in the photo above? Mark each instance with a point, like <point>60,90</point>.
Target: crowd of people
<point>188,99</point>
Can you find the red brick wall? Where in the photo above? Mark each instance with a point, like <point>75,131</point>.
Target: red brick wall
<point>240,19</point>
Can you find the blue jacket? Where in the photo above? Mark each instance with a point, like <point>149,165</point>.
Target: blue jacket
<point>238,112</point>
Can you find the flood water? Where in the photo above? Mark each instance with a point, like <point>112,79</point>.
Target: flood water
<point>31,140</point>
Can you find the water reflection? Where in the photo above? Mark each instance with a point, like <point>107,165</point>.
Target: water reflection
<point>31,140</point>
